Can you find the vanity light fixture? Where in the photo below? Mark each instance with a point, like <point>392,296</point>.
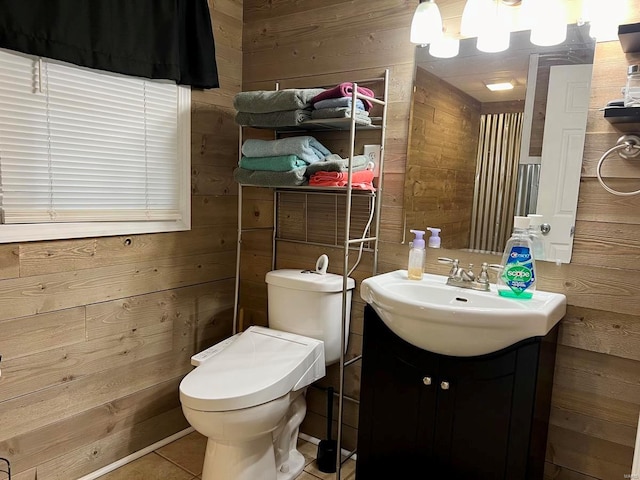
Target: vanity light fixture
<point>548,21</point>
<point>604,18</point>
<point>472,15</point>
<point>426,25</point>
<point>494,33</point>
<point>498,86</point>
<point>445,47</point>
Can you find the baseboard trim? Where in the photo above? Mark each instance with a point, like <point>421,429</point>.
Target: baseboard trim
<point>136,455</point>
<point>165,441</point>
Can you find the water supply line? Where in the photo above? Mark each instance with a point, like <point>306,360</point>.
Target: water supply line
<point>364,234</point>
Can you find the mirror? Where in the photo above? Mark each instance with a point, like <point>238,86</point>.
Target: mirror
<point>478,157</point>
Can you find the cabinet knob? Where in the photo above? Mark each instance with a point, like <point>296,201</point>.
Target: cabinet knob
<point>426,380</point>
<point>444,385</point>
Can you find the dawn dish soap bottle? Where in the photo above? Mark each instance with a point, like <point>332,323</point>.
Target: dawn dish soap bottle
<point>517,278</point>
<point>415,268</point>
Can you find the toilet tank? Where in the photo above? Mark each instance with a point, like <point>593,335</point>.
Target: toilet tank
<point>309,303</point>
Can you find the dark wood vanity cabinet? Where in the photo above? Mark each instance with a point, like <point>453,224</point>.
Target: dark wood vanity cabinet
<point>472,418</point>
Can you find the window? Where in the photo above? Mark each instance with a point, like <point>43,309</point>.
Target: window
<point>89,153</point>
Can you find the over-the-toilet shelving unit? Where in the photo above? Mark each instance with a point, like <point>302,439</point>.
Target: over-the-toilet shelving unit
<point>352,125</point>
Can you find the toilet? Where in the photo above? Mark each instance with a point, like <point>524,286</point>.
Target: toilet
<point>247,393</point>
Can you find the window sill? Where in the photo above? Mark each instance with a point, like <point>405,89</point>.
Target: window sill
<point>59,231</point>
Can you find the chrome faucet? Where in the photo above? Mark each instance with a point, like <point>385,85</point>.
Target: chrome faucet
<point>465,278</point>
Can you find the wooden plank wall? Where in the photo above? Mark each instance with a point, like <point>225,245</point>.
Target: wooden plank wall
<point>596,398</point>
<point>96,333</point>
<point>439,192</point>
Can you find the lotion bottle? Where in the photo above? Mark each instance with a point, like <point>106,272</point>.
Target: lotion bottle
<point>517,279</point>
<point>415,268</point>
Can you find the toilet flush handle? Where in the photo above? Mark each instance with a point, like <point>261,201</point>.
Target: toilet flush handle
<point>322,263</point>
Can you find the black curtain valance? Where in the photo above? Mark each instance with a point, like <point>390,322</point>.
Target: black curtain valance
<point>170,39</point>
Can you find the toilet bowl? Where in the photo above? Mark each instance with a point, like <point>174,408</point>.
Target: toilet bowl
<point>247,394</point>
<point>244,393</point>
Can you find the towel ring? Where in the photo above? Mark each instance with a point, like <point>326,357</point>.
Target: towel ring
<point>628,147</point>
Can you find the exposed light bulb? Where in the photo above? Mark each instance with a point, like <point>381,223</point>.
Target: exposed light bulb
<point>444,47</point>
<point>426,25</point>
<point>472,16</point>
<point>548,21</point>
<point>494,33</point>
<point>604,18</point>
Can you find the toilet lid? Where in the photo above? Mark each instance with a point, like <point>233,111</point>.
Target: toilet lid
<point>261,365</point>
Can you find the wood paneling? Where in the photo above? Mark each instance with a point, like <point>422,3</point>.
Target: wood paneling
<point>55,439</point>
<point>88,354</point>
<point>595,410</point>
<point>9,265</point>
<point>96,333</point>
<point>438,190</point>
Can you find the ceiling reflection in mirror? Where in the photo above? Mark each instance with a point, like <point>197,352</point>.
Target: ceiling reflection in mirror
<point>478,157</point>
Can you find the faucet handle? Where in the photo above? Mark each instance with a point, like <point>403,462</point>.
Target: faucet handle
<point>454,265</point>
<point>447,260</point>
<point>483,277</point>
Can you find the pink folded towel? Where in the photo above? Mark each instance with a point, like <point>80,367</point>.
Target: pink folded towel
<point>361,180</point>
<point>345,90</point>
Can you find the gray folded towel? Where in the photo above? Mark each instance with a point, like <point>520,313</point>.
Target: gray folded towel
<point>265,101</point>
<point>334,163</point>
<point>341,112</point>
<point>305,147</point>
<point>338,102</point>
<point>284,118</point>
<point>265,178</point>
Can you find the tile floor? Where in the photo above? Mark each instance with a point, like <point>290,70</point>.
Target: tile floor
<point>182,460</point>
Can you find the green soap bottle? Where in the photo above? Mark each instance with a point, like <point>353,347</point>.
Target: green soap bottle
<point>517,279</point>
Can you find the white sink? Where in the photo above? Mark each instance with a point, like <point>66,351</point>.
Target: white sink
<point>457,321</point>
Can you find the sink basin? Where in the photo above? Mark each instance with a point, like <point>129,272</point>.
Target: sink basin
<point>457,321</point>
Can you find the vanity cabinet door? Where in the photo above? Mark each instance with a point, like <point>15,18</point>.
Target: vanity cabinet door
<point>397,405</point>
<point>473,421</point>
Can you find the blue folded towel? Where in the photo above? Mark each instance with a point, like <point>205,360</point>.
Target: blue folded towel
<point>281,163</point>
<point>338,102</point>
<point>306,147</point>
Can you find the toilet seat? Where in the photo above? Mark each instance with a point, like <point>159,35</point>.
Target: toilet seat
<point>261,365</point>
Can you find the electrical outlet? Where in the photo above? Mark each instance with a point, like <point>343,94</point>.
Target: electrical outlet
<point>373,152</point>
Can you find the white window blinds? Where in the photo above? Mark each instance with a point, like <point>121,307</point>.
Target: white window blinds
<point>81,145</point>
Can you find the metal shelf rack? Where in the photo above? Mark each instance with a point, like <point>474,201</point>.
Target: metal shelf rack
<point>339,124</point>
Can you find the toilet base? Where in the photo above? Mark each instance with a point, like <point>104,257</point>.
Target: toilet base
<point>253,460</point>
<point>269,453</point>
<point>293,467</point>
<point>249,461</point>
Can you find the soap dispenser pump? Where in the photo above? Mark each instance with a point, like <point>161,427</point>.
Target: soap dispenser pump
<point>434,239</point>
<point>415,267</point>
